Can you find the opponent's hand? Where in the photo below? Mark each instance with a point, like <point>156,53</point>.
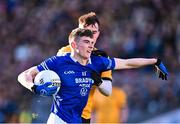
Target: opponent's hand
<point>99,53</point>
<point>161,69</point>
<point>97,78</point>
<point>44,90</point>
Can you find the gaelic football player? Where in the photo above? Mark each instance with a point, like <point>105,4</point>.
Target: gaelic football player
<point>91,22</point>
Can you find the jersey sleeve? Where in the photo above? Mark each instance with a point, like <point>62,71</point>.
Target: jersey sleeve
<point>104,64</point>
<point>108,63</point>
<point>106,75</point>
<point>48,64</point>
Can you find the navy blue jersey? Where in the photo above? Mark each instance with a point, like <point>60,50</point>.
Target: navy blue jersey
<point>76,83</point>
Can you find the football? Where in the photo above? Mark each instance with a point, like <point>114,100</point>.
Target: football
<point>48,76</point>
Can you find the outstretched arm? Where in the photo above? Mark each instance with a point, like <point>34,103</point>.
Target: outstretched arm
<point>133,63</point>
<point>140,62</point>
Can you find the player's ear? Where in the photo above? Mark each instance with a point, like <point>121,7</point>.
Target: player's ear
<point>73,45</point>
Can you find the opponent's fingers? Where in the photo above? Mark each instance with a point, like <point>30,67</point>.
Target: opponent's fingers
<point>47,84</point>
<point>163,76</point>
<point>54,88</point>
<point>160,74</point>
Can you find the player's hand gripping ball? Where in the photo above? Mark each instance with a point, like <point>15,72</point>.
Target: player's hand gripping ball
<point>47,83</point>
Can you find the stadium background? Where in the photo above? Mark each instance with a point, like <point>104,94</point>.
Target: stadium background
<point>32,30</point>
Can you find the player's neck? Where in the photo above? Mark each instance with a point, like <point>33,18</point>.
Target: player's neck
<point>80,59</point>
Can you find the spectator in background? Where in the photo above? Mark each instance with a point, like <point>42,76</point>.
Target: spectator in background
<point>112,109</point>
<point>25,117</point>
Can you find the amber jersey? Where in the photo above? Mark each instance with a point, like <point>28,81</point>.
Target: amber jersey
<point>105,75</point>
<point>108,109</point>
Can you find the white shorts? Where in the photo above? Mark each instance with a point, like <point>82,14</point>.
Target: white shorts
<point>54,119</point>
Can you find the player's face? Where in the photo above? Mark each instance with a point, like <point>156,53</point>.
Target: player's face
<point>95,30</point>
<point>84,47</point>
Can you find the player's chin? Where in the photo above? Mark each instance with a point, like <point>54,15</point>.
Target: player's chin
<point>87,56</point>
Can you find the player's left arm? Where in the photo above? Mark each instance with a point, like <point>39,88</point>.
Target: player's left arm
<point>133,63</point>
<point>140,62</point>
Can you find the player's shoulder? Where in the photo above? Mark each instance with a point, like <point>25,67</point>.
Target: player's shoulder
<point>63,56</point>
<point>59,58</point>
<point>63,59</point>
<point>97,62</point>
<point>64,50</point>
<point>98,58</point>
<point>95,58</point>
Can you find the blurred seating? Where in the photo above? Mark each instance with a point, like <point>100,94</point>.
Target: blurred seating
<point>32,30</point>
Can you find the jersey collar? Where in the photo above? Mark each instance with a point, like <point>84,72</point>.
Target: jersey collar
<point>75,60</point>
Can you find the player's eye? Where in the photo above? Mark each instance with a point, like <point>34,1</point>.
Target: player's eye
<point>92,42</point>
<point>86,41</point>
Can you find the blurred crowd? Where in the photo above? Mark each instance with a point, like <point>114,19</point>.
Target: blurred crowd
<point>32,30</point>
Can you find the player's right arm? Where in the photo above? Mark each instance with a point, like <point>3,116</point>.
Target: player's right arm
<point>26,77</point>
